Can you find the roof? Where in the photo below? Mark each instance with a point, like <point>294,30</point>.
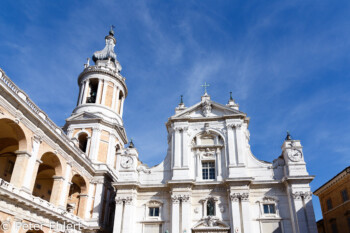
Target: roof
<point>333,180</point>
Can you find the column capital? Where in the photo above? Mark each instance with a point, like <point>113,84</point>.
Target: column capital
<point>235,125</point>
<point>239,196</point>
<point>302,195</point>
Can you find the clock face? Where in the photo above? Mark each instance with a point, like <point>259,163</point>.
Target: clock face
<point>295,155</point>
<point>127,162</point>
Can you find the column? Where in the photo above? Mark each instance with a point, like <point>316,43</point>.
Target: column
<point>218,162</point>
<point>111,149</point>
<point>246,212</point>
<point>98,200</point>
<point>56,189</point>
<point>118,215</point>
<point>114,98</point>
<point>177,149</point>
<point>89,200</point>
<point>198,158</point>
<point>88,146</point>
<point>231,145</point>
<point>98,94</point>
<point>16,225</point>
<point>35,173</point>
<point>19,168</point>
<point>65,187</point>
<point>185,161</point>
<point>95,143</point>
<point>235,213</point>
<point>86,91</point>
<point>104,92</point>
<point>309,212</point>
<point>186,214</point>
<point>240,144</point>
<point>36,141</point>
<point>81,93</point>
<point>128,218</point>
<point>83,199</point>
<point>175,214</point>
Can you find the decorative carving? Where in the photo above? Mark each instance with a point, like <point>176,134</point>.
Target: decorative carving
<point>302,195</point>
<point>210,221</point>
<point>178,198</point>
<point>196,210</point>
<point>206,108</point>
<point>208,153</point>
<point>222,208</point>
<point>235,125</point>
<point>128,200</point>
<point>239,196</point>
<point>144,169</point>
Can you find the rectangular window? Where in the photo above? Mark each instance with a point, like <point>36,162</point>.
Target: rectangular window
<point>154,211</point>
<point>269,209</point>
<point>208,170</point>
<point>329,204</point>
<point>344,194</point>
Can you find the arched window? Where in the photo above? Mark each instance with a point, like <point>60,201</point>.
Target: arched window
<point>83,138</point>
<point>93,91</point>
<point>211,207</point>
<point>120,99</point>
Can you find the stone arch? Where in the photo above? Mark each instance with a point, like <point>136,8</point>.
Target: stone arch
<point>77,196</point>
<point>48,178</point>
<point>35,231</point>
<point>209,132</point>
<point>12,140</point>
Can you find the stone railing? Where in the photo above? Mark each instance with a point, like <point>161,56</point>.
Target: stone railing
<point>20,196</point>
<point>22,95</point>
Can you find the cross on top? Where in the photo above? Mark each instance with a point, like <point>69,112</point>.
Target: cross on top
<point>205,87</point>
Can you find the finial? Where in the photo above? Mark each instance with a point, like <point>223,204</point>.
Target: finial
<point>111,32</point>
<point>205,87</point>
<point>288,136</point>
<point>131,144</point>
<point>231,95</point>
<point>181,101</point>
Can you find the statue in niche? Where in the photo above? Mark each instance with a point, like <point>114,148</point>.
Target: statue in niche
<point>210,207</point>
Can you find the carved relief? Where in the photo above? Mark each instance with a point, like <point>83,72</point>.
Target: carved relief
<point>302,195</point>
<point>206,108</point>
<point>239,196</point>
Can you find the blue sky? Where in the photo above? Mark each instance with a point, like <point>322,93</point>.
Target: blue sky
<point>286,62</point>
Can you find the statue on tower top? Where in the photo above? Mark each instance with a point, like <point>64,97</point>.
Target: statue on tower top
<point>107,54</point>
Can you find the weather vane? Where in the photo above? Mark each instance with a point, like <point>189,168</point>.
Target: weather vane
<point>205,87</point>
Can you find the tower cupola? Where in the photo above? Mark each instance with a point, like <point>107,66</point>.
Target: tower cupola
<point>102,87</point>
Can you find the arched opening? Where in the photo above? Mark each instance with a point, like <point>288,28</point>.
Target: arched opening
<point>93,86</point>
<point>83,140</point>
<point>48,178</point>
<point>12,139</point>
<point>35,231</point>
<point>76,197</point>
<point>120,99</point>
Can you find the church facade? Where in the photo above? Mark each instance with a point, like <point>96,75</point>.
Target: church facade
<point>82,177</point>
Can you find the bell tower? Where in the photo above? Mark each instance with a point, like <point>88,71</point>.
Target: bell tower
<point>96,124</point>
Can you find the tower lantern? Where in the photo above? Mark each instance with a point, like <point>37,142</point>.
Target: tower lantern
<point>99,111</point>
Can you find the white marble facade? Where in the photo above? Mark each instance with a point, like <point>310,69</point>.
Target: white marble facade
<point>210,181</point>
